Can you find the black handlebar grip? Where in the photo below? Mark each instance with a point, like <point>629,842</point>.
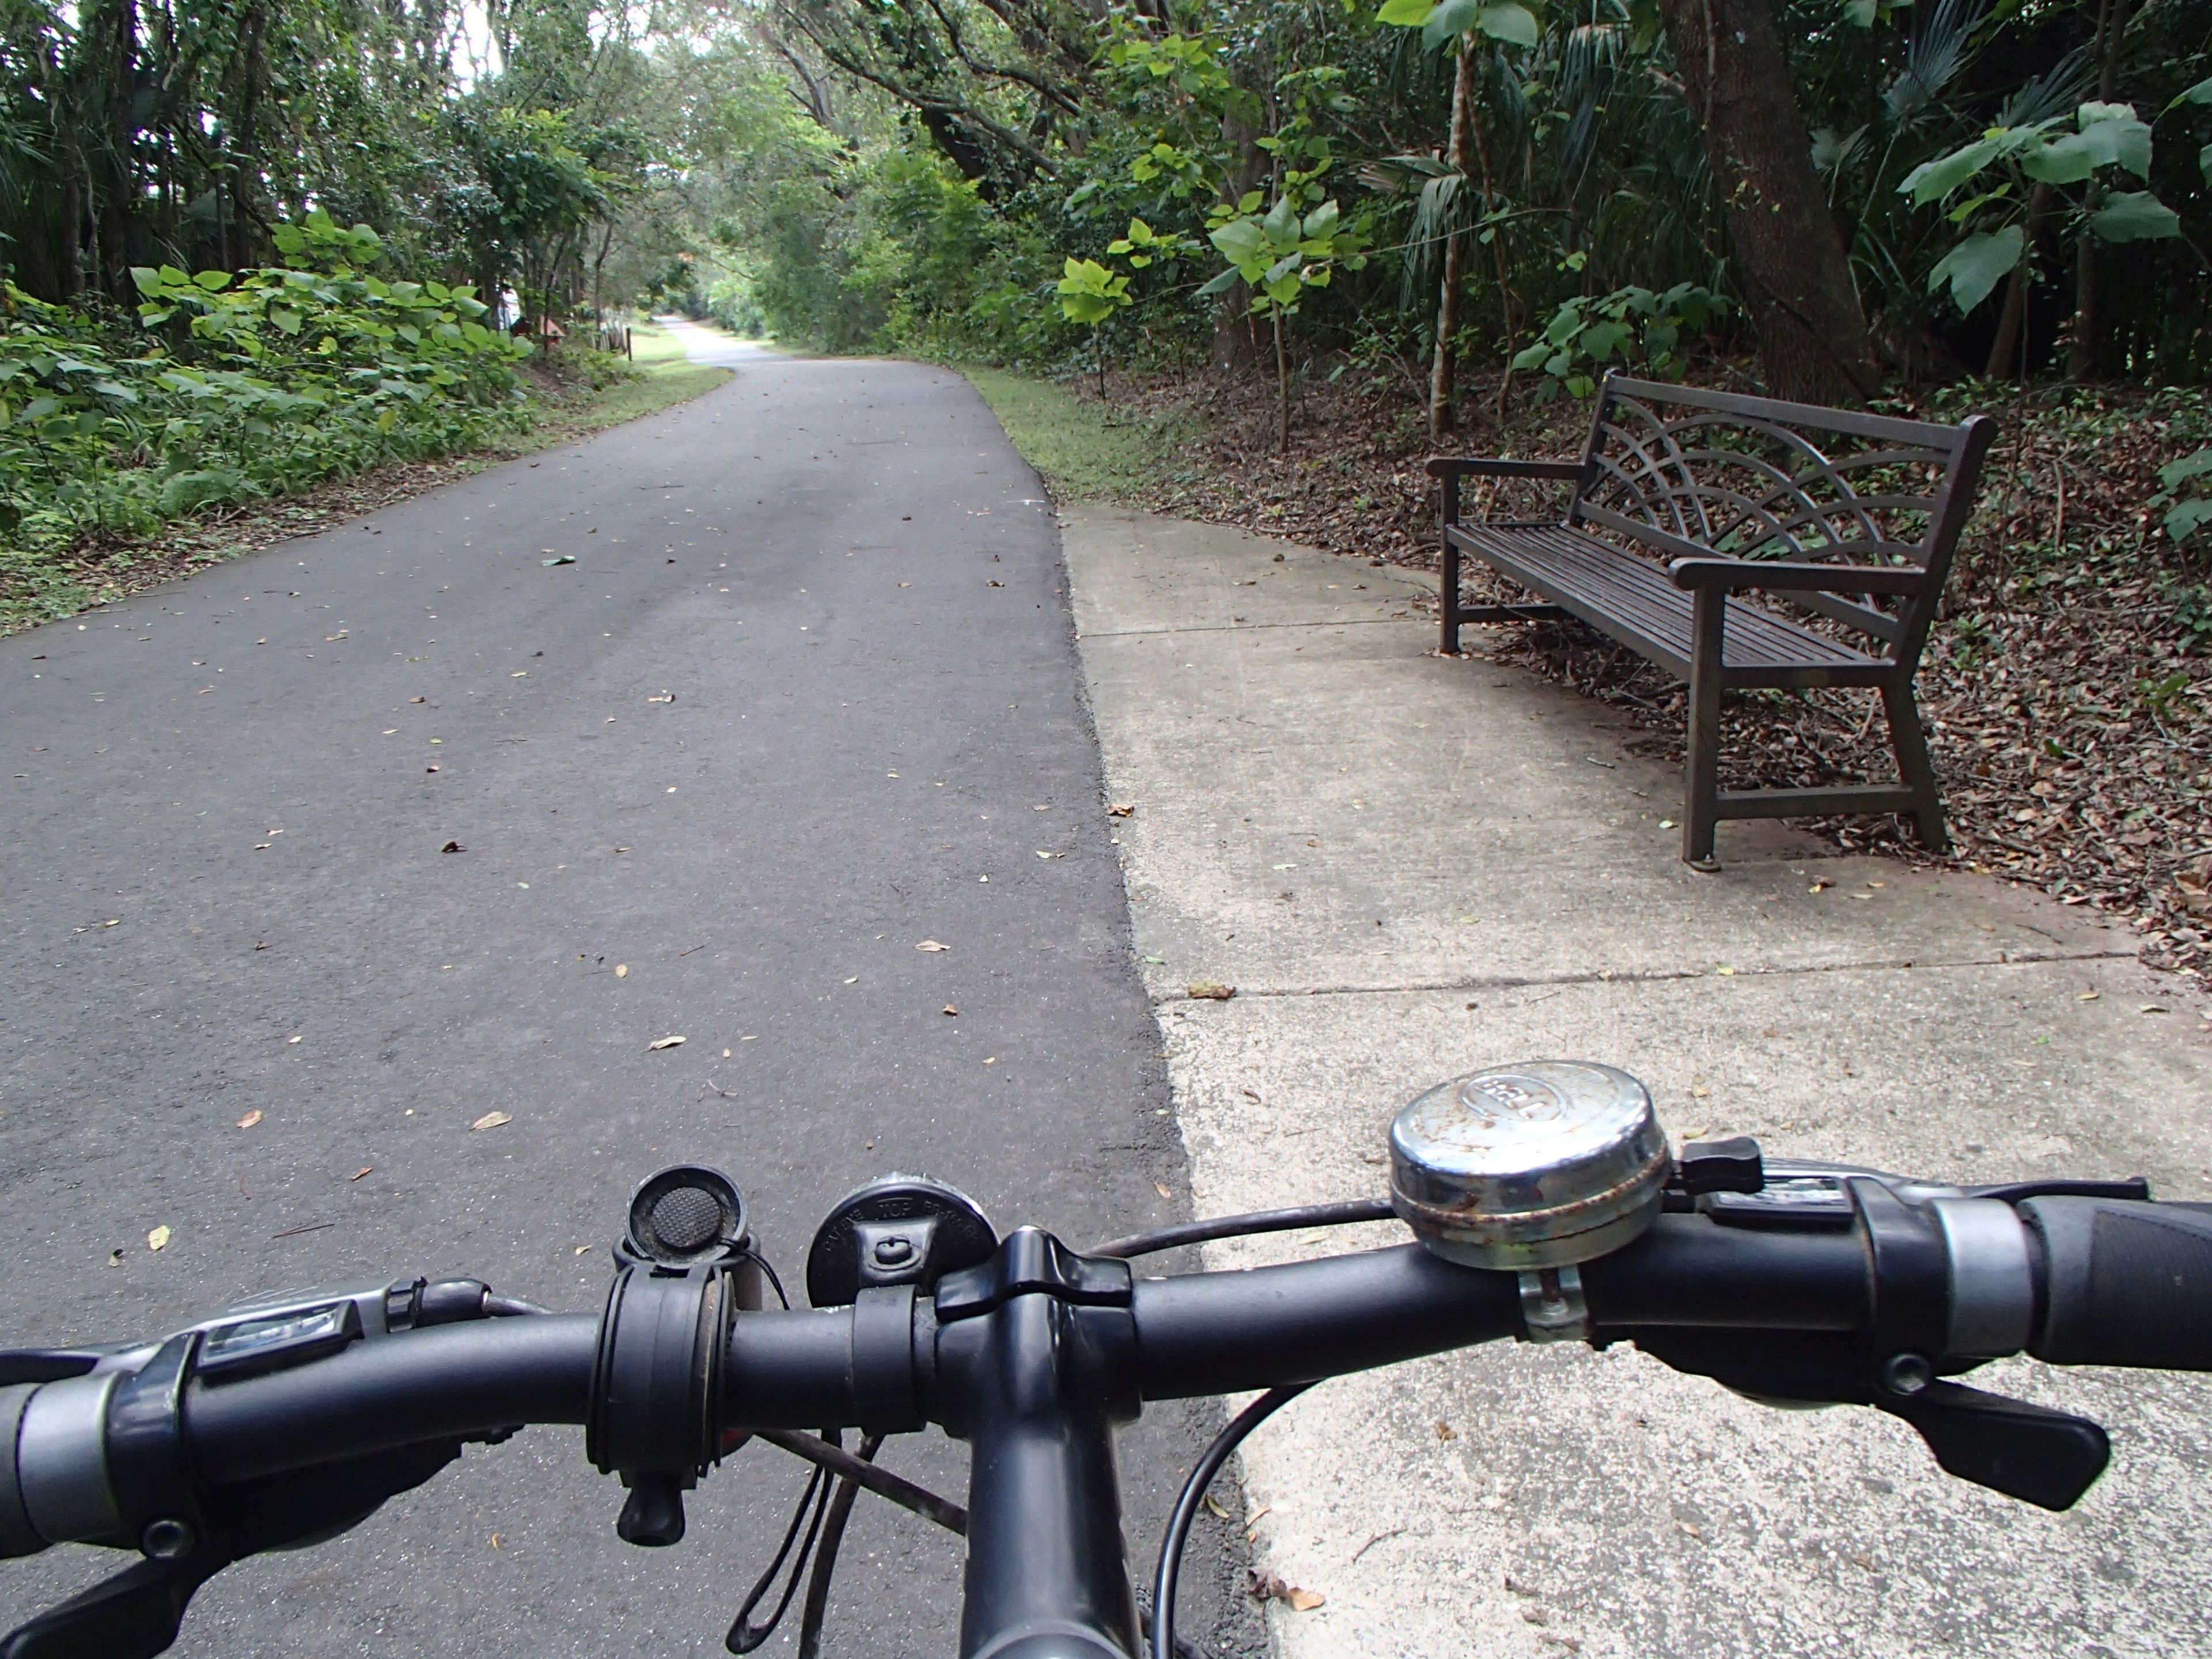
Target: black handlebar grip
<point>2127,1282</point>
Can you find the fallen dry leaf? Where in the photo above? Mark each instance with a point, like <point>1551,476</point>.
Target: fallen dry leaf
<point>1212,990</point>
<point>366,1169</point>
<point>250,1119</point>
<point>2195,881</point>
<point>1215,1509</point>
<point>158,1239</point>
<point>492,1121</point>
<point>1269,1585</point>
<point>1445,1431</point>
<point>1121,809</point>
<point>664,1043</point>
<point>950,1009</point>
<point>1163,1189</point>
<point>931,945</point>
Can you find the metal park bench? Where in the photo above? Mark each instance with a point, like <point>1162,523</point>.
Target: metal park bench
<point>1836,516</point>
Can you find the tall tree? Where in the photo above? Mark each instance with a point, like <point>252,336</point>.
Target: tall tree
<point>1788,257</point>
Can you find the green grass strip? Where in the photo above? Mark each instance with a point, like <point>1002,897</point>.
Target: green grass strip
<point>1082,453</point>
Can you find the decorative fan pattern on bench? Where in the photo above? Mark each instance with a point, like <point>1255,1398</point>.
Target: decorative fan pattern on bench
<point>1750,487</point>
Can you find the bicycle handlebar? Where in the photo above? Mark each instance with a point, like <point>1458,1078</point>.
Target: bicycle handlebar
<point>1196,1334</point>
<point>2122,1284</point>
<point>1040,1351</point>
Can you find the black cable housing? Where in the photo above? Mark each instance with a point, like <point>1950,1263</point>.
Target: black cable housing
<point>1194,1492</point>
<point>1345,1215</point>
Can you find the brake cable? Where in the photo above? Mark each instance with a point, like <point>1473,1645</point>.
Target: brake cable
<point>1186,1509</point>
<point>744,1636</point>
<point>825,1561</point>
<point>1345,1215</point>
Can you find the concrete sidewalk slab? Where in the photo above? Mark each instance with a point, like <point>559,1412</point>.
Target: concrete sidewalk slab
<point>1412,866</point>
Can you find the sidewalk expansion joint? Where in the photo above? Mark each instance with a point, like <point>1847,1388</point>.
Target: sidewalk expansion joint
<point>1244,628</point>
<point>1658,975</point>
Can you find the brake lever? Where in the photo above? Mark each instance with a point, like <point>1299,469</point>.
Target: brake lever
<point>2044,1457</point>
<point>134,1615</point>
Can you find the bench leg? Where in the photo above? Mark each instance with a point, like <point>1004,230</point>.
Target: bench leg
<point>1701,772</point>
<point>1910,745</point>
<point>1447,599</point>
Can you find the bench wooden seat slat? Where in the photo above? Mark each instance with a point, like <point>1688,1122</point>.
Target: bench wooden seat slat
<point>1669,473</point>
<point>1576,571</point>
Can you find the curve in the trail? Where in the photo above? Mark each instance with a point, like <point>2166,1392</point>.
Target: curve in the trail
<point>699,729</point>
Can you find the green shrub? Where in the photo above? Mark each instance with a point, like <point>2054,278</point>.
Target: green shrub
<point>234,389</point>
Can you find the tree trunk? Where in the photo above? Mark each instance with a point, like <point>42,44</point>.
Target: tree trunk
<point>2013,319</point>
<point>1441,422</point>
<point>1282,388</point>
<point>1789,260</point>
<point>2081,356</point>
<point>1234,347</point>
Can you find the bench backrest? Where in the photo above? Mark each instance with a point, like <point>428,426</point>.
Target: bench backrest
<point>1691,474</point>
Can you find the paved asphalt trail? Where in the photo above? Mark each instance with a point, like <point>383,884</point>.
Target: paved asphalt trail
<point>806,697</point>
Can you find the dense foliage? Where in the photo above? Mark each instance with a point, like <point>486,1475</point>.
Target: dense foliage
<point>504,146</point>
<point>1840,195</point>
<point>234,388</point>
<point>1850,190</point>
<point>2008,188</point>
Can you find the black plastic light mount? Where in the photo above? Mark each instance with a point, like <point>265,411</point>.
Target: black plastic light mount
<point>655,1410</point>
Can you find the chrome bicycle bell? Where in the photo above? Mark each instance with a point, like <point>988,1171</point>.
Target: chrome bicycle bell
<point>1531,1166</point>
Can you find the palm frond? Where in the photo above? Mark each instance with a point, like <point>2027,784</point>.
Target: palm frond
<point>2057,91</point>
<point>1942,48</point>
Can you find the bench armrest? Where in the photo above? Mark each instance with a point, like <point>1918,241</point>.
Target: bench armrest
<point>1778,575</point>
<point>1489,467</point>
